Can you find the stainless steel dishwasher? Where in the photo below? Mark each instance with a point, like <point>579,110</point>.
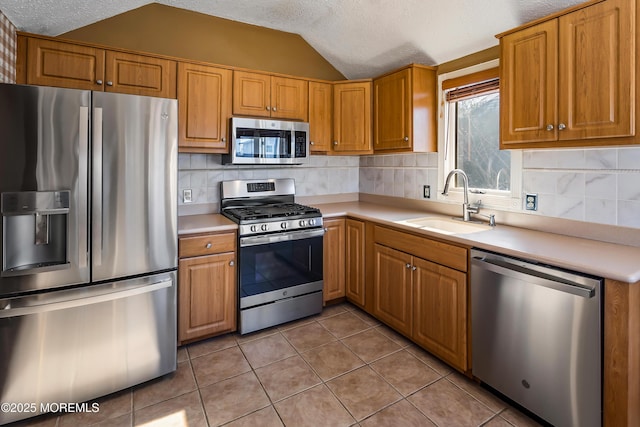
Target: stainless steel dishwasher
<point>537,337</point>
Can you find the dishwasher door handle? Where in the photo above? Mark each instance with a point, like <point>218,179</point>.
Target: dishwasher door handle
<point>533,276</point>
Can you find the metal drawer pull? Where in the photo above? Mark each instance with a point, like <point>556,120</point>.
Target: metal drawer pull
<point>99,82</point>
<point>208,246</point>
<point>231,263</point>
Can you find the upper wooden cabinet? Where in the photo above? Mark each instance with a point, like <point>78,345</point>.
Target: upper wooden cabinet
<point>53,63</point>
<point>404,110</point>
<point>320,116</point>
<point>204,103</point>
<point>352,118</point>
<point>570,80</point>
<point>264,95</point>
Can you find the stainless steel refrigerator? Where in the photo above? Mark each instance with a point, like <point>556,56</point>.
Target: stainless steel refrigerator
<point>88,202</point>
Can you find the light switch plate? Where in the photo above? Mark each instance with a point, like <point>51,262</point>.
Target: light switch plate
<point>186,196</point>
<point>531,202</point>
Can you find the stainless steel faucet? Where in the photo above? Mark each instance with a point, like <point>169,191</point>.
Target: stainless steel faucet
<point>467,210</point>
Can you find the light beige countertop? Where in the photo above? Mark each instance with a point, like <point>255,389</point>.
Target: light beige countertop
<point>611,261</point>
<point>206,223</point>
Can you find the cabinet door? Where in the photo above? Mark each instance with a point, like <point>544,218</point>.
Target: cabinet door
<point>528,85</point>
<point>334,259</point>
<point>440,311</point>
<point>597,71</point>
<point>393,293</point>
<point>251,94</point>
<point>51,63</point>
<point>289,98</point>
<point>204,102</point>
<point>206,296</point>
<point>392,111</point>
<point>354,269</point>
<point>352,117</point>
<point>320,116</point>
<point>140,75</point>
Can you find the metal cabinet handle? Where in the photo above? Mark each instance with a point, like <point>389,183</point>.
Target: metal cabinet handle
<point>268,108</point>
<point>208,246</point>
<point>223,139</point>
<point>414,268</point>
<point>273,109</point>
<point>562,126</point>
<point>408,265</point>
<point>311,143</point>
<point>549,127</point>
<point>406,138</point>
<point>98,82</point>
<point>109,83</point>
<point>335,142</point>
<point>231,263</point>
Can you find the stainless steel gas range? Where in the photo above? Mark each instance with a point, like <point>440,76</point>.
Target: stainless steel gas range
<point>280,252</point>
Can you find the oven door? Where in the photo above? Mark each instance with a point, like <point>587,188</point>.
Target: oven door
<point>280,265</point>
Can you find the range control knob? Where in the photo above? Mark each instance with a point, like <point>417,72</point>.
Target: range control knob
<point>264,227</point>
<point>283,225</point>
<point>253,228</point>
<point>312,221</point>
<point>302,223</point>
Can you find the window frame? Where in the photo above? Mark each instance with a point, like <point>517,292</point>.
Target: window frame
<point>500,199</point>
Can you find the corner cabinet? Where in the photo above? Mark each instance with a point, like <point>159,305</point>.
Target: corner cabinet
<point>207,295</point>
<point>420,290</point>
<point>334,259</point>
<point>570,80</point>
<point>352,118</point>
<point>404,110</point>
<point>62,64</point>
<point>264,95</point>
<point>204,103</point>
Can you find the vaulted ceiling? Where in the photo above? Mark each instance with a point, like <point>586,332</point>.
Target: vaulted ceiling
<point>360,38</point>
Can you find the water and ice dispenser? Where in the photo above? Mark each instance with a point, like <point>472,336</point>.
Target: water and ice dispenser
<point>35,231</point>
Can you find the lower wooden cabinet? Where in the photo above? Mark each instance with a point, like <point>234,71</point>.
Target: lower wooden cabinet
<point>440,311</point>
<point>393,288</point>
<point>334,259</point>
<point>207,291</point>
<point>422,298</point>
<point>355,261</point>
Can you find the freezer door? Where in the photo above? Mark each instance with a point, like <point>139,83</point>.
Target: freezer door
<point>80,344</point>
<point>134,184</point>
<point>44,146</point>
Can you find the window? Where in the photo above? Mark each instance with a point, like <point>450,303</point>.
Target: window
<point>469,138</point>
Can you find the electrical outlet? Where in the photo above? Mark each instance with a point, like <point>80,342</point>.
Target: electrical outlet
<point>531,202</point>
<point>186,196</point>
<point>426,191</point>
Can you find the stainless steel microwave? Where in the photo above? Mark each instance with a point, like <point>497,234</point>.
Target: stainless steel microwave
<point>266,142</point>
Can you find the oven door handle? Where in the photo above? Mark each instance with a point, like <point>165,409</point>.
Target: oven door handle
<point>280,237</point>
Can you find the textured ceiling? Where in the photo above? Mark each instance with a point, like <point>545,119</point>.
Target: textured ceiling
<point>360,38</point>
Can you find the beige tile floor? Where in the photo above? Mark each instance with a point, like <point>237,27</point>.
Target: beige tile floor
<point>341,368</point>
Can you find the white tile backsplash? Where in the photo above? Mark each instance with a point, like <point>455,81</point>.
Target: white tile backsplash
<point>600,185</point>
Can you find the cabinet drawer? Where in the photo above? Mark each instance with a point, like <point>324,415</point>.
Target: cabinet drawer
<point>207,245</point>
<point>432,250</point>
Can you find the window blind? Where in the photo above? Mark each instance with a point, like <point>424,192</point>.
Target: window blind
<point>471,85</point>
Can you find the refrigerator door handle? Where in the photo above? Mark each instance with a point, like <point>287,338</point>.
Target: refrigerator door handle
<point>82,188</point>
<point>44,306</point>
<point>97,187</point>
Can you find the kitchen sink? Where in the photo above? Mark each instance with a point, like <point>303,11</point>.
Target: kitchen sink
<point>446,225</point>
